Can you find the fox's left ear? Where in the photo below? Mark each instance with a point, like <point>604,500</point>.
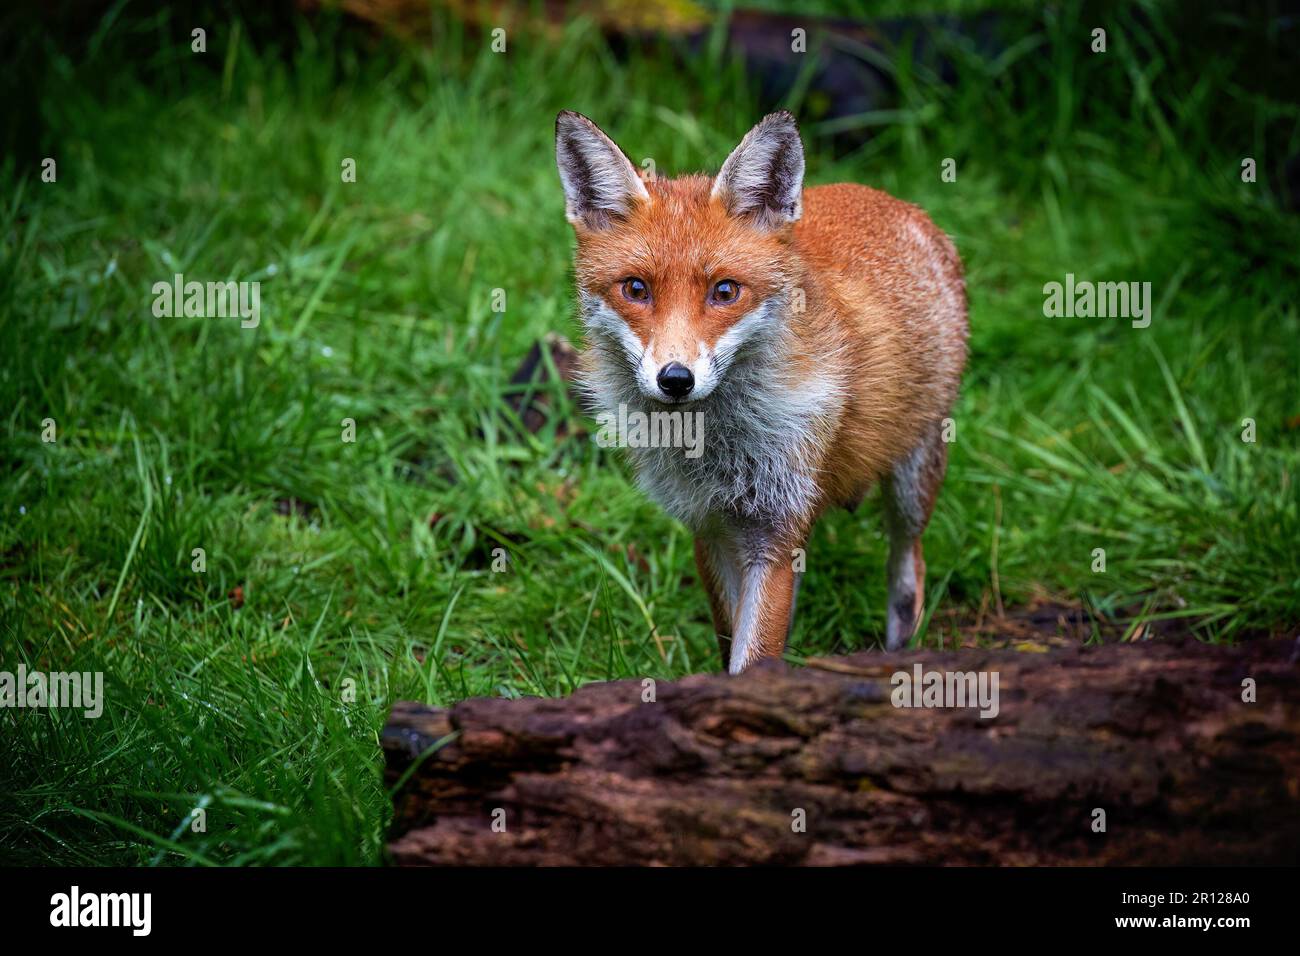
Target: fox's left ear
<point>762,179</point>
<point>600,182</point>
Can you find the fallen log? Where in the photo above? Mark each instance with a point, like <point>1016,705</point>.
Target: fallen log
<point>1154,753</point>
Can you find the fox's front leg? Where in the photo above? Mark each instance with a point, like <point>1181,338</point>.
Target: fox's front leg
<point>768,584</point>
<point>720,576</point>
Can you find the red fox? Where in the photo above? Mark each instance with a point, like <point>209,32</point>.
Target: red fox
<point>820,332</point>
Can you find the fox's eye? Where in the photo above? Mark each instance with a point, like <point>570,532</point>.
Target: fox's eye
<point>636,290</point>
<point>725,292</point>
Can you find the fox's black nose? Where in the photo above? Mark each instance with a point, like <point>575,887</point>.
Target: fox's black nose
<point>676,380</point>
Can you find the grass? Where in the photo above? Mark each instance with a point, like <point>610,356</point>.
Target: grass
<point>364,568</point>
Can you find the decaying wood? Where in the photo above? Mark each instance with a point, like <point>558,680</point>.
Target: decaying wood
<point>720,770</point>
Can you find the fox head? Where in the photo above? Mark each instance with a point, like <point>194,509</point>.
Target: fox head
<point>681,281</point>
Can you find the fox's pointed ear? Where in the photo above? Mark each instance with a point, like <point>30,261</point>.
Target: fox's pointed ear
<point>600,182</point>
<point>762,179</point>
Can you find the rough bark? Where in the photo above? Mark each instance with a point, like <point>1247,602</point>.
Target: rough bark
<point>715,769</point>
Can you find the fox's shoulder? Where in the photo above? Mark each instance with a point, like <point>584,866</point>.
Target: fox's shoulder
<point>856,227</point>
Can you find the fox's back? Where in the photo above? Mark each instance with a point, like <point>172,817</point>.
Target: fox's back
<point>894,291</point>
<point>882,247</point>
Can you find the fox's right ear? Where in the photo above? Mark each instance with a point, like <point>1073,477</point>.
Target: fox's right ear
<point>600,182</point>
<point>762,179</point>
